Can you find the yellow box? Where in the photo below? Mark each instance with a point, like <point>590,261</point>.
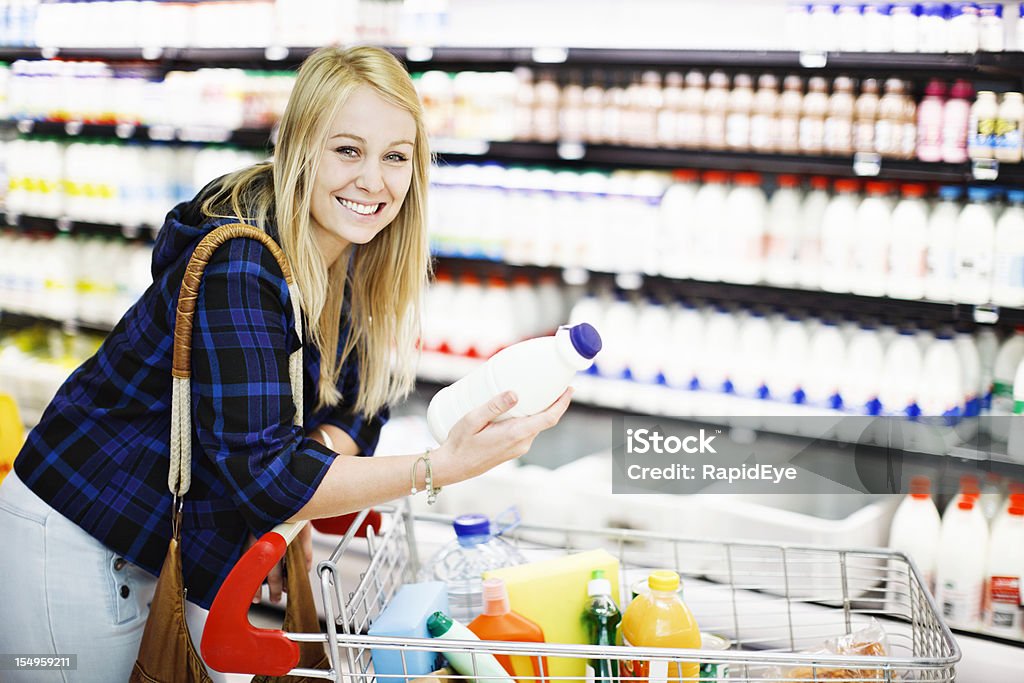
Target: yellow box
<point>553,594</point>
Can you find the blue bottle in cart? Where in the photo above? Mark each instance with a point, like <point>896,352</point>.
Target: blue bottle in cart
<point>460,564</point>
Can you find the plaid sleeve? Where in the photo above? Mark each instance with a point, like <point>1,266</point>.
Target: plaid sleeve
<point>364,430</point>
<point>241,394</point>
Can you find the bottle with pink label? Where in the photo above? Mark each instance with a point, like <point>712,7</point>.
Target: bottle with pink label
<point>930,121</point>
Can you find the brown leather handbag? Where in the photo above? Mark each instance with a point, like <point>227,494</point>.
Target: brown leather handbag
<point>166,654</point>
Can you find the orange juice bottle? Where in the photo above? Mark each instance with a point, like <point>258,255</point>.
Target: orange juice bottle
<point>660,619</point>
<point>499,622</point>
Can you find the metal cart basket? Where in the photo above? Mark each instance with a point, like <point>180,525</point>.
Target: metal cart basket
<point>775,605</point>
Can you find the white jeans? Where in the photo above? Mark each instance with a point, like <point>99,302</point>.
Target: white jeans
<point>64,593</point>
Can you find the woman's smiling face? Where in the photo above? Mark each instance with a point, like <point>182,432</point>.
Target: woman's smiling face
<point>364,173</point>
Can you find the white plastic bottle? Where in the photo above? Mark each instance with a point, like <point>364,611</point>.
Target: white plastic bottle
<point>651,343</point>
<point>975,246</point>
<point>960,565</point>
<point>1014,423</point>
<point>537,370</point>
<point>915,530</point>
<point>619,324</point>
<point>970,370</point>
<point>1004,372</point>
<point>714,367</point>
<point>785,376</point>
<point>743,230</point>
<point>941,258</point>
<point>827,359</point>
<point>688,328</point>
<point>783,230</point>
<point>862,380</point>
<point>677,225</point>
<point>815,202</point>
<point>908,246</point>
<point>941,393</point>
<point>709,208</point>
<point>871,246</point>
<point>1008,272</point>
<point>1004,576</point>
<point>987,344</point>
<point>838,235</point>
<point>754,359</point>
<point>901,375</point>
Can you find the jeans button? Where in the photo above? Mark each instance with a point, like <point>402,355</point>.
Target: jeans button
<point>125,592</point>
<point>119,564</point>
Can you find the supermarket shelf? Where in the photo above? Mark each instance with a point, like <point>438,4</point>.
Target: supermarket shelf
<point>9,319</point>
<point>934,312</point>
<point>570,154</point>
<point>257,138</point>
<point>1008,64</point>
<point>54,225</point>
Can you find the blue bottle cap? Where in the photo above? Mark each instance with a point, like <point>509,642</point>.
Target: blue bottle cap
<point>990,9</point>
<point>951,192</point>
<point>472,525</point>
<point>585,340</point>
<point>933,9</point>
<point>980,194</point>
<point>1015,196</point>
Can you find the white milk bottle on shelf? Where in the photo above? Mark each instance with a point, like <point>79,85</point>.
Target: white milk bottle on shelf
<point>915,530</point>
<point>871,245</point>
<point>651,342</point>
<point>960,565</point>
<point>463,314</point>
<point>908,246</point>
<point>538,370</point>
<point>619,323</point>
<point>968,488</point>
<point>942,388</point>
<point>970,367</point>
<point>975,247</point>
<point>551,304</point>
<point>754,359</point>
<point>901,375</point>
<point>589,307</point>
<point>525,307</point>
<point>714,367</point>
<point>677,224</point>
<point>1004,576</point>
<point>862,380</point>
<point>744,228</point>
<point>839,233</point>
<point>811,212</point>
<point>827,359</point>
<point>942,223</point>
<point>786,372</point>
<point>988,346</point>
<point>1008,359</point>
<point>688,328</point>
<point>1008,272</point>
<point>783,232</point>
<point>709,208</point>
<point>496,323</point>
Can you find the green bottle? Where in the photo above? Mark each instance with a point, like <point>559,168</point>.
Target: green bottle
<point>602,618</point>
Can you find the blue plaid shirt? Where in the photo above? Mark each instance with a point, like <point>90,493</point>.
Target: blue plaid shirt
<point>100,454</point>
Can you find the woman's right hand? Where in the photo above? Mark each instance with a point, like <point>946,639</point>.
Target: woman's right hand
<point>476,443</point>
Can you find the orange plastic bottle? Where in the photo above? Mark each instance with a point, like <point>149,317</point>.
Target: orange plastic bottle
<point>660,619</point>
<point>499,622</point>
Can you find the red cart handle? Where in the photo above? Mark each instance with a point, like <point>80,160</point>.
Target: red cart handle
<point>230,643</point>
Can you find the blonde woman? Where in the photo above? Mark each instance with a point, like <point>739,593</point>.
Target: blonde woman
<point>87,507</point>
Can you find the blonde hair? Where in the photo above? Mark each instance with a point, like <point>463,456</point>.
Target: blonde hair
<point>388,274</point>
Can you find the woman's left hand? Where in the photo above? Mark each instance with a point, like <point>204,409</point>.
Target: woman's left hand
<point>275,579</point>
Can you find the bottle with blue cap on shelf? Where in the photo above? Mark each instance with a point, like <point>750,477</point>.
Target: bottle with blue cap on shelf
<point>537,370</point>
<point>941,250</point>
<point>1008,272</point>
<point>975,247</point>
<point>461,563</point>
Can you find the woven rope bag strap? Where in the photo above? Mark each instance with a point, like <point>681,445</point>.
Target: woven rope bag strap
<point>180,476</point>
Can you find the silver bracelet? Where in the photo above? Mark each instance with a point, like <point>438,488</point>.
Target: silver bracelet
<point>428,480</point>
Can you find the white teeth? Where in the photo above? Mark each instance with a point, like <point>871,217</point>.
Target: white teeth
<point>362,209</point>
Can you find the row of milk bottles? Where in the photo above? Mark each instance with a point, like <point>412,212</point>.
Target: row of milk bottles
<point>465,316</point>
<point>114,183</point>
<point>972,557</point>
<point>89,279</point>
<point>857,367</point>
<point>878,239</point>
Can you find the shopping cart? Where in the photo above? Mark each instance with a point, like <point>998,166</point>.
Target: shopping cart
<point>775,605</point>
